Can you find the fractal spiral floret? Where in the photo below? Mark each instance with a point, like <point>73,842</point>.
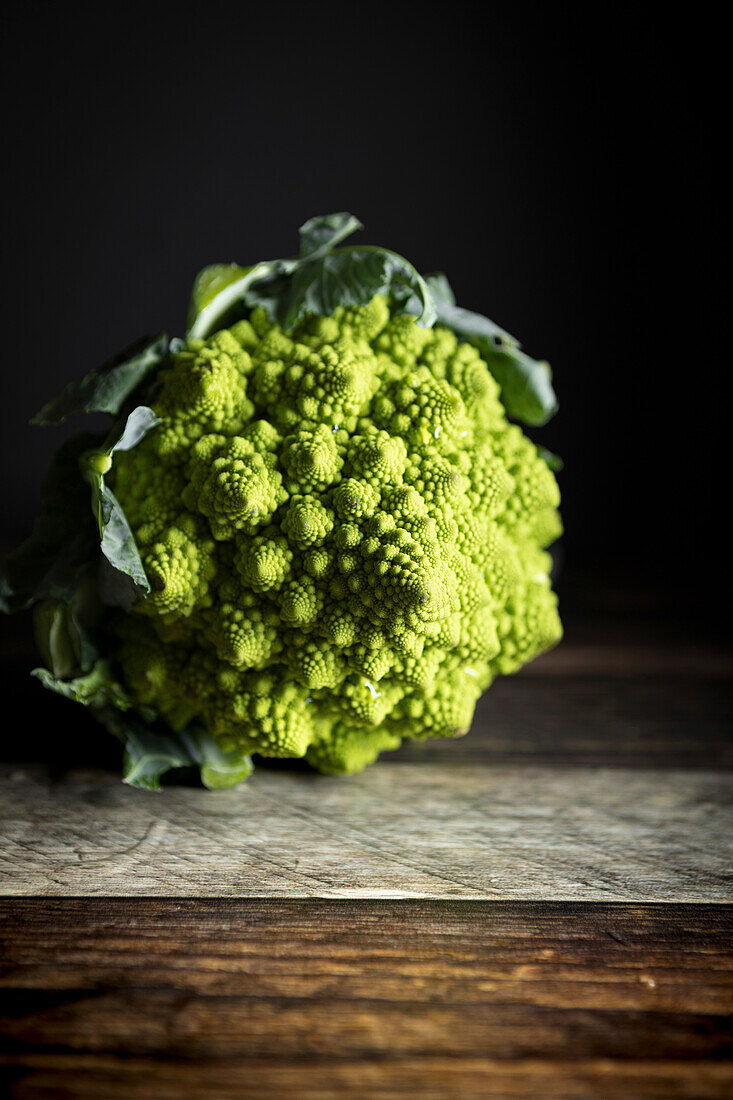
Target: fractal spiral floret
<point>342,535</point>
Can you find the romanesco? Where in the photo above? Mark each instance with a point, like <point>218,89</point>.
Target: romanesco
<point>320,533</point>
<point>358,545</point>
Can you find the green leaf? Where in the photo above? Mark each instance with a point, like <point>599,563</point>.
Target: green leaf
<point>553,461</point>
<point>97,688</point>
<point>150,752</point>
<point>351,277</point>
<point>324,277</point>
<point>526,384</point>
<point>107,388</point>
<point>474,326</point>
<point>117,541</point>
<point>119,547</point>
<point>63,546</point>
<point>140,421</point>
<point>440,289</point>
<point>318,281</point>
<point>321,234</point>
<point>53,632</point>
<point>63,629</point>
<point>219,289</point>
<point>49,564</point>
<point>219,769</point>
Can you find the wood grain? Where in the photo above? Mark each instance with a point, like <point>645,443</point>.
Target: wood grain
<point>434,830</point>
<point>216,998</point>
<point>212,970</point>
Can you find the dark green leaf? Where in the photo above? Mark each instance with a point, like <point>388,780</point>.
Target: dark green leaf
<point>63,546</point>
<point>325,277</point>
<point>316,283</point>
<point>553,461</point>
<point>151,751</point>
<point>117,540</point>
<point>270,294</point>
<point>97,689</point>
<point>219,770</point>
<point>440,289</point>
<point>49,564</point>
<point>221,288</point>
<point>149,755</point>
<point>321,234</point>
<point>472,326</point>
<point>140,421</point>
<point>106,388</point>
<point>119,547</point>
<point>526,384</point>
<point>64,630</point>
<point>351,277</point>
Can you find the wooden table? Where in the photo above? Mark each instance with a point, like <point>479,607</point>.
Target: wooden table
<point>539,910</point>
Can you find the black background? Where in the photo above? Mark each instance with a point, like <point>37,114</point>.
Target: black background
<point>559,163</point>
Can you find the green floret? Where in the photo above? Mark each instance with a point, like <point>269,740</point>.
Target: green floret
<point>203,392</point>
<point>360,551</point>
<point>297,386</point>
<point>179,566</point>
<point>236,487</point>
<point>311,459</point>
<point>350,749</point>
<point>263,562</point>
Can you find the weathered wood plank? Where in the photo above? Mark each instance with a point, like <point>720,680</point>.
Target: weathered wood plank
<point>79,1077</point>
<point>155,998</point>
<point>435,830</point>
<point>631,721</point>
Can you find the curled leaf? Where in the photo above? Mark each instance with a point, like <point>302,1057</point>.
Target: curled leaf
<point>107,388</point>
<point>49,564</point>
<point>151,751</point>
<point>526,383</point>
<point>219,770</point>
<point>118,545</point>
<point>321,278</point>
<point>140,421</point>
<point>351,277</point>
<point>97,688</point>
<point>553,461</point>
<point>117,541</point>
<point>63,629</point>
<point>321,234</point>
<point>219,289</point>
<point>441,289</point>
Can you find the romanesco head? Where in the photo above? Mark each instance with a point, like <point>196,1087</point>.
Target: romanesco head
<point>343,534</point>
